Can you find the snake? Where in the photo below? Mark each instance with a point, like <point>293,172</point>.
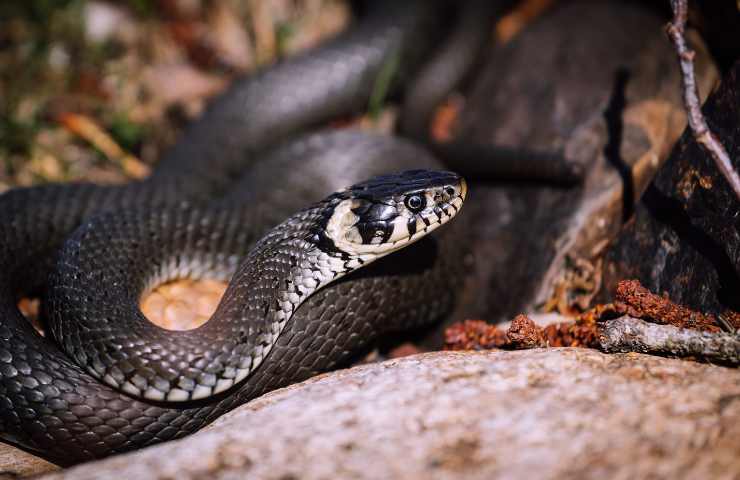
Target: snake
<point>254,193</point>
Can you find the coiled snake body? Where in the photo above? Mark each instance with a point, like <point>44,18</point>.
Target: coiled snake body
<point>105,380</point>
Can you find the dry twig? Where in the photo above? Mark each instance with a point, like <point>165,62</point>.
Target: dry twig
<point>86,128</point>
<point>628,334</point>
<point>697,122</point>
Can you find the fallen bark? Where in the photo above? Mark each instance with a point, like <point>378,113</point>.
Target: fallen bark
<point>637,301</point>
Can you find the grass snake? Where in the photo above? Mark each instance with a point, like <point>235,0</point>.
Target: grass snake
<point>104,380</point>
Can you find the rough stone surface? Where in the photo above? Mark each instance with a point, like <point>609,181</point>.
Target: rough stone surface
<point>555,413</point>
<point>16,463</point>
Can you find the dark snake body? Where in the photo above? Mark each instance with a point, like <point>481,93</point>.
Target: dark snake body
<point>50,405</point>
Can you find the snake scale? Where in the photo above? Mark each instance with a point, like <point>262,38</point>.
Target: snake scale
<point>104,380</point>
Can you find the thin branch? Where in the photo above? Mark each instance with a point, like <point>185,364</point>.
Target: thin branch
<point>697,122</point>
<point>629,334</point>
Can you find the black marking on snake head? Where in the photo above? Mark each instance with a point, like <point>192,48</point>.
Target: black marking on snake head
<point>374,220</point>
<point>370,230</point>
<point>411,225</point>
<point>326,244</point>
<point>319,237</point>
<point>438,212</point>
<point>372,211</point>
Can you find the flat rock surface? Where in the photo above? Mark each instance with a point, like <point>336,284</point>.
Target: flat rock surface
<point>554,413</point>
<point>16,463</point>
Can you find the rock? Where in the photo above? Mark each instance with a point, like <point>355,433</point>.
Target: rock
<point>553,413</point>
<point>684,238</point>
<point>604,96</point>
<point>16,463</point>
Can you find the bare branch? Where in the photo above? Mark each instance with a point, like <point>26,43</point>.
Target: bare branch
<point>697,122</point>
<point>629,334</point>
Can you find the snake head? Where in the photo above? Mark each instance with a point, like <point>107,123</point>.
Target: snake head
<point>386,213</point>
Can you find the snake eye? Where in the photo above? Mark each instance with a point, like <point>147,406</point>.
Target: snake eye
<point>415,202</point>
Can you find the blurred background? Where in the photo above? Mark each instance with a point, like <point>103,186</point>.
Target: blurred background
<point>93,89</point>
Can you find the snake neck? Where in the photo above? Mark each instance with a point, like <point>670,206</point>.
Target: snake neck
<point>299,257</point>
<point>292,261</point>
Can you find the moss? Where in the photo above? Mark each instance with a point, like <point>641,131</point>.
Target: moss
<point>383,84</point>
<point>126,133</point>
